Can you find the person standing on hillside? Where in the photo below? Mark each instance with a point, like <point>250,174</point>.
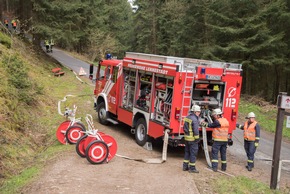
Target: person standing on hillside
<point>14,24</point>
<point>51,43</point>
<point>251,138</point>
<point>6,23</point>
<point>46,43</point>
<point>220,136</point>
<point>191,137</point>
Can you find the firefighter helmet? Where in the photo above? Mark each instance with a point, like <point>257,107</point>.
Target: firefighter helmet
<point>217,111</point>
<point>195,108</point>
<point>251,115</point>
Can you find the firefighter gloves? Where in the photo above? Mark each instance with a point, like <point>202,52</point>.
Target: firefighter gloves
<point>256,143</point>
<point>204,124</point>
<point>230,142</point>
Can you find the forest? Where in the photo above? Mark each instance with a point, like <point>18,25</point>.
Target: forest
<point>255,33</point>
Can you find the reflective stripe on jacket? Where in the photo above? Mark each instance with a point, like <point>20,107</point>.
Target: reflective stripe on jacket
<point>250,131</point>
<point>221,134</point>
<point>190,134</point>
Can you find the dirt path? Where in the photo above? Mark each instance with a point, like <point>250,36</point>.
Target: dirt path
<point>68,173</point>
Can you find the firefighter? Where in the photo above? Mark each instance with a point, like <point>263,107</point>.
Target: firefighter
<point>191,137</point>
<point>6,23</point>
<point>46,43</point>
<point>251,138</point>
<point>220,136</point>
<point>14,24</point>
<point>51,44</point>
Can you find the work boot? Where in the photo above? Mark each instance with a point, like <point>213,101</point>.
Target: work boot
<point>193,171</point>
<point>224,167</point>
<point>249,168</point>
<point>185,168</point>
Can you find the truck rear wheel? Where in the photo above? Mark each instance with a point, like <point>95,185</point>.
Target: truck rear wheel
<point>141,136</point>
<point>102,113</point>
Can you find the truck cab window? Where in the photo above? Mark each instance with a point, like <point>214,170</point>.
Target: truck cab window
<point>100,72</point>
<point>108,71</point>
<point>115,74</point>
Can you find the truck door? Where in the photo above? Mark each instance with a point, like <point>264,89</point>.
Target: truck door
<point>103,75</point>
<point>113,90</point>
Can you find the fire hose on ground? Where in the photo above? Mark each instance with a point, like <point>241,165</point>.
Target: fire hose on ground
<point>153,160</point>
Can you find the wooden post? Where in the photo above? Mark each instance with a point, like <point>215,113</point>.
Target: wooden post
<point>277,143</point>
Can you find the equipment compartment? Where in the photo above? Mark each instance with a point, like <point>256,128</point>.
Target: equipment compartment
<point>207,93</point>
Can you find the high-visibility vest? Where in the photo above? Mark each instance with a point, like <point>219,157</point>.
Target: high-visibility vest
<point>190,136</point>
<point>221,134</point>
<point>51,42</point>
<point>46,42</point>
<point>250,131</point>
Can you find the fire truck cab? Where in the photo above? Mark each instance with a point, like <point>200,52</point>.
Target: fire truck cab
<point>154,93</point>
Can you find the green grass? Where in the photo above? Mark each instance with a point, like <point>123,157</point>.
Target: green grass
<point>5,40</point>
<point>242,185</point>
<point>266,115</point>
<point>12,185</point>
<point>15,183</point>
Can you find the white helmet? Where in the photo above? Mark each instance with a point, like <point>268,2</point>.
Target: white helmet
<point>251,115</point>
<point>217,111</point>
<point>195,108</point>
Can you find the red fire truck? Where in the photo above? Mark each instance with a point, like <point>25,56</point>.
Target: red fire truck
<point>154,93</point>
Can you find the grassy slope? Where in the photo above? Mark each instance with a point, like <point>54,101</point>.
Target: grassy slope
<point>266,113</point>
<point>28,111</point>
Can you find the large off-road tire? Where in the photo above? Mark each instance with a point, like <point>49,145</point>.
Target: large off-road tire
<point>97,152</point>
<point>102,113</point>
<point>141,136</point>
<point>74,133</point>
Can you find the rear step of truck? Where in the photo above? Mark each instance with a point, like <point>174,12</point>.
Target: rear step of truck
<point>112,121</point>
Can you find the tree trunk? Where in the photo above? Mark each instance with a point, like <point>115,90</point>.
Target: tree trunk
<point>1,10</point>
<point>7,5</point>
<point>153,45</point>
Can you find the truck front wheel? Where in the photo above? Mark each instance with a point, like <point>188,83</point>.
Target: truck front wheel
<point>141,132</point>
<point>102,113</point>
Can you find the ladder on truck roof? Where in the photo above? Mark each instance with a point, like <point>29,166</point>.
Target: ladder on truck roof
<point>185,63</point>
<point>186,96</point>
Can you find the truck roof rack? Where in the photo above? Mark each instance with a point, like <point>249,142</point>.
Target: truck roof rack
<point>185,64</point>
